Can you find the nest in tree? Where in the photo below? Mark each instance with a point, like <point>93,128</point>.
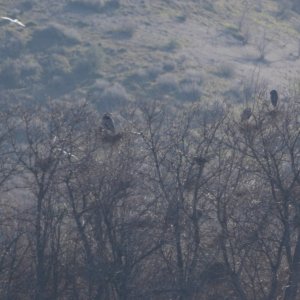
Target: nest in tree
<point>111,138</point>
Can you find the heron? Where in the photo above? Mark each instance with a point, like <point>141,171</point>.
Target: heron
<point>246,114</point>
<point>274,97</point>
<point>108,123</point>
<point>16,21</point>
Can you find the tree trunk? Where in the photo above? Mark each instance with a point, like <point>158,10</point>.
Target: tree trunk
<point>292,288</point>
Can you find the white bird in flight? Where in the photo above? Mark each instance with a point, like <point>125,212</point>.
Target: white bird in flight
<point>13,21</point>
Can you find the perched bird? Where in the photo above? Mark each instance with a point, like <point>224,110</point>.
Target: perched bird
<point>274,97</point>
<point>16,21</point>
<point>108,123</point>
<point>246,114</point>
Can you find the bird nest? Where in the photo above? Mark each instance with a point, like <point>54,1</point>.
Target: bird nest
<point>111,138</point>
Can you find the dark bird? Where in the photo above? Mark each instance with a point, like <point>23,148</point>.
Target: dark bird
<point>246,114</point>
<point>108,123</point>
<point>274,97</point>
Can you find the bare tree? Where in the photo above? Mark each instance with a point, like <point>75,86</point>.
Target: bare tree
<point>183,204</point>
<point>179,149</point>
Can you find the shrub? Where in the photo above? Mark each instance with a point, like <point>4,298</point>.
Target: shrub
<point>143,75</point>
<point>138,77</point>
<point>27,5</point>
<point>170,46</point>
<point>167,83</point>
<point>96,89</point>
<point>296,6</point>
<point>87,62</point>
<point>112,4</point>
<point>93,6</point>
<point>192,76</point>
<point>56,65</point>
<point>12,44</point>
<point>123,31</point>
<point>85,6</point>
<point>99,86</point>
<point>190,92</point>
<point>181,18</point>
<point>154,71</point>
<point>233,95</point>
<point>51,36</point>
<point>225,71</point>
<point>190,86</point>
<point>31,70</point>
<point>169,66</point>
<point>112,97</point>
<point>10,74</point>
<point>209,6</point>
<point>17,73</point>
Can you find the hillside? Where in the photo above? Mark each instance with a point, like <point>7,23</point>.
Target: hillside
<point>187,188</point>
<point>114,51</point>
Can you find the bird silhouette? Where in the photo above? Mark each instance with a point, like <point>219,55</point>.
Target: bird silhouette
<point>108,123</point>
<point>274,97</point>
<point>246,114</point>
